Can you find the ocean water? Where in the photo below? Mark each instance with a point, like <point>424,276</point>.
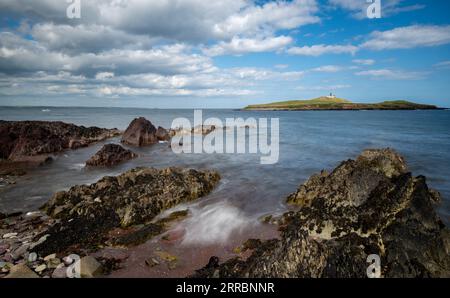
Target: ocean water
<point>309,142</point>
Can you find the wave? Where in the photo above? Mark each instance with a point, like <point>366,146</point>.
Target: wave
<point>215,224</point>
<point>77,166</point>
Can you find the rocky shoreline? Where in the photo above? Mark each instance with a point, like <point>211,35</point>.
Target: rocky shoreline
<point>114,212</point>
<point>368,206</point>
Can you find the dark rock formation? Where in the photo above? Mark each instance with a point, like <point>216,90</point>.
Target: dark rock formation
<point>363,207</point>
<point>110,155</point>
<point>21,140</point>
<point>140,132</point>
<point>86,213</point>
<point>162,134</point>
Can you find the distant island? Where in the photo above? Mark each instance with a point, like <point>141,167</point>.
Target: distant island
<point>333,103</point>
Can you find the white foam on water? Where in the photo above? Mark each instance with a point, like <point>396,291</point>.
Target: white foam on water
<point>215,224</point>
<point>77,166</point>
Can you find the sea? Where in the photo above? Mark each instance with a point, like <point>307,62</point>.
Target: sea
<point>309,141</point>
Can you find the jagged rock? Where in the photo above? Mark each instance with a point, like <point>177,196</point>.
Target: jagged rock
<point>140,132</point>
<point>21,271</point>
<point>363,207</point>
<point>21,140</point>
<point>110,155</point>
<point>132,198</point>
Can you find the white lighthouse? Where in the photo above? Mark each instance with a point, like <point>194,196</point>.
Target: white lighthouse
<point>331,96</point>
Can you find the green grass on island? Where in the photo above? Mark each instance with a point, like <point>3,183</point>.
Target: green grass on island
<point>334,103</point>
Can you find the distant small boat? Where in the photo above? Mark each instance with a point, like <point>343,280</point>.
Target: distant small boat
<point>46,110</point>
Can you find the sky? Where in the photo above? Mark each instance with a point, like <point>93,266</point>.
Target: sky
<point>221,53</point>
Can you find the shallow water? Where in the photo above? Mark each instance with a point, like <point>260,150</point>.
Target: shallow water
<point>309,142</point>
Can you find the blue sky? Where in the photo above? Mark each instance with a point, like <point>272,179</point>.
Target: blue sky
<point>223,54</point>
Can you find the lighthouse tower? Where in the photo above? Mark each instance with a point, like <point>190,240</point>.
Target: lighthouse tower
<point>331,96</point>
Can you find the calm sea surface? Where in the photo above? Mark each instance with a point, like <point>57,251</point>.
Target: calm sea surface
<point>309,142</point>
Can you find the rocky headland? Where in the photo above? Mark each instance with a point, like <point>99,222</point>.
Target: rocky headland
<point>331,103</point>
<point>371,205</point>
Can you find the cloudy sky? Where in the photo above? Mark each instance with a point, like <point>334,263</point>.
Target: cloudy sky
<point>221,53</point>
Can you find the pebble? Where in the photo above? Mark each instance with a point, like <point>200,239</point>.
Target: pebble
<point>33,214</point>
<point>40,268</point>
<point>5,266</point>
<point>9,235</point>
<point>53,263</point>
<point>70,259</point>
<point>40,241</point>
<point>8,258</point>
<point>32,257</point>
<point>152,262</point>
<point>49,257</point>
<point>20,251</point>
<point>216,274</point>
<point>60,272</point>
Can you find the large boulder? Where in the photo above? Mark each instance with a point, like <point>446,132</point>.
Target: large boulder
<point>371,205</point>
<point>87,212</point>
<point>140,132</point>
<point>20,140</point>
<point>110,155</point>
